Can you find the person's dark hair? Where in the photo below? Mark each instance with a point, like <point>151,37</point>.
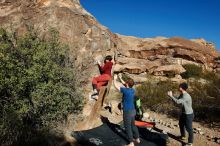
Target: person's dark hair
<point>184,86</point>
<point>109,57</point>
<point>130,83</point>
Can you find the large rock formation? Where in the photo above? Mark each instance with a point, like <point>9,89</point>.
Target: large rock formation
<point>89,39</point>
<point>162,56</point>
<point>77,28</point>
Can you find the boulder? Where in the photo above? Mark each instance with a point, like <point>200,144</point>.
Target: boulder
<point>197,51</point>
<point>135,66</point>
<point>86,37</point>
<point>130,68</point>
<point>146,115</point>
<point>169,69</point>
<point>115,107</point>
<point>191,50</point>
<point>89,40</point>
<point>138,78</point>
<point>202,41</point>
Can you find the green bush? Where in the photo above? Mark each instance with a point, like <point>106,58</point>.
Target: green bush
<point>154,95</point>
<point>209,75</point>
<point>192,71</point>
<point>38,85</point>
<point>206,100</point>
<point>204,93</point>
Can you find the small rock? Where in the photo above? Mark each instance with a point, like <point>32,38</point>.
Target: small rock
<point>155,120</point>
<point>216,139</point>
<point>201,133</point>
<point>210,136</point>
<point>146,115</point>
<point>198,129</point>
<point>164,132</point>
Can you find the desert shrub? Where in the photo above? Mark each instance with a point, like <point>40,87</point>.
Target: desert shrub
<point>209,75</point>
<point>38,86</point>
<point>170,74</point>
<point>206,100</point>
<point>192,70</point>
<point>154,95</point>
<point>205,95</point>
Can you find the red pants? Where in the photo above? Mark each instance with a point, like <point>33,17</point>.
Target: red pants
<point>101,80</point>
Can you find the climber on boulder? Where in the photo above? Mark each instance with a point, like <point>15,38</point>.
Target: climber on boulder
<point>101,80</point>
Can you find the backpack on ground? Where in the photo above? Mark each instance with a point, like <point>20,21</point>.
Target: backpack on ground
<point>139,109</point>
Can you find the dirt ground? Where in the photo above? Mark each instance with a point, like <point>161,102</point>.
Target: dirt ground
<point>206,136</point>
<point>203,135</point>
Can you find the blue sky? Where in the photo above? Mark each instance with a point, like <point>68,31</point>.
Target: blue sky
<point>151,18</point>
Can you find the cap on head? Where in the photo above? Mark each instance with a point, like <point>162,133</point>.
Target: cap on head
<point>184,86</point>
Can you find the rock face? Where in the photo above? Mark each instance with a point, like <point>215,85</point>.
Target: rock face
<point>88,39</point>
<point>134,65</point>
<point>167,69</point>
<point>77,28</point>
<point>162,56</point>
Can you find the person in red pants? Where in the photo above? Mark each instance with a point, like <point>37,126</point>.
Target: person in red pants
<point>101,80</point>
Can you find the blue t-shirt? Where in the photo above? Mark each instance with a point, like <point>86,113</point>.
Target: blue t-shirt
<point>128,98</point>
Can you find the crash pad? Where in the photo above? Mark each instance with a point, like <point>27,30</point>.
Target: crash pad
<point>109,134</point>
<point>144,124</point>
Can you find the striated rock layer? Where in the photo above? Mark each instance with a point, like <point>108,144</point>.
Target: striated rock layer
<point>161,55</point>
<point>88,39</point>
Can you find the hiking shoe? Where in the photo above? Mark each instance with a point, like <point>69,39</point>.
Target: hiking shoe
<point>130,144</point>
<point>182,137</point>
<point>137,140</point>
<point>190,144</point>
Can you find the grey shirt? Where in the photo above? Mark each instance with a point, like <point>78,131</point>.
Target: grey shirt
<point>186,101</point>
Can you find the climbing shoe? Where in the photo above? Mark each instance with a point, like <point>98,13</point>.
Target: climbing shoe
<point>95,97</point>
<point>94,92</point>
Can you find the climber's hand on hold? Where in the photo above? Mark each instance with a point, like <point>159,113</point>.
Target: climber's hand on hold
<point>99,63</point>
<point>115,76</point>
